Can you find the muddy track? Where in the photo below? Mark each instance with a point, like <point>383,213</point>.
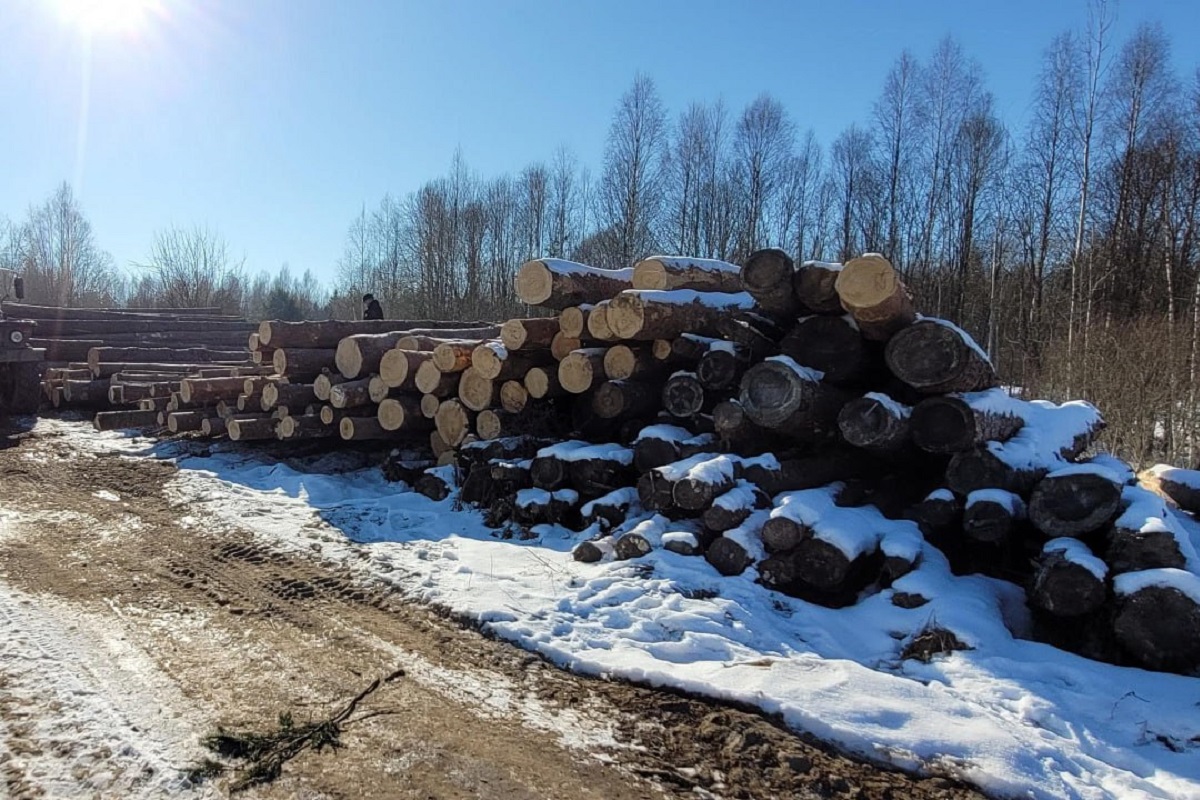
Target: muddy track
<point>226,629</point>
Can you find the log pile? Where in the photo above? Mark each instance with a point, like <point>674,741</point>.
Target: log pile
<point>805,426</point>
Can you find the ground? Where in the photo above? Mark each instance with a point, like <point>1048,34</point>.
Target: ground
<point>132,629</point>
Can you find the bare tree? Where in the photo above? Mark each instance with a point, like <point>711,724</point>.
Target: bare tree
<point>763,144</point>
<point>57,253</point>
<point>632,184</point>
<point>192,268</point>
<point>896,118</point>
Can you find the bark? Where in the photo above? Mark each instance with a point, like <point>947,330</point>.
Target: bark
<point>811,471</point>
<point>1159,628</point>
<point>950,424</point>
<point>738,433</point>
<point>1151,546</point>
<point>872,292</point>
<point>749,334</point>
<point>875,423</point>
<point>293,395</point>
<point>625,399</point>
<point>815,286</point>
<point>647,315</point>
<point>520,334</point>
<point>245,429</point>
<point>185,421</point>
<point>327,333</point>
<point>1074,504</point>
<point>793,402</point>
<point>213,426</point>
<point>1064,588</point>
<point>935,358</point>
<point>1180,486</point>
<point>701,274</point>
<point>767,275</point>
<point>119,420</point>
<point>209,390</point>
<point>299,364</point>
<point>433,485</point>
<point>597,477</point>
<point>161,355</point>
<point>85,393</point>
<point>552,283</point>
<point>832,345</point>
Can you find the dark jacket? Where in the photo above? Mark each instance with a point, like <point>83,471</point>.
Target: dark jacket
<point>373,310</point>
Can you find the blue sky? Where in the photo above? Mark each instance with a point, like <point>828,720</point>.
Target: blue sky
<point>274,121</point>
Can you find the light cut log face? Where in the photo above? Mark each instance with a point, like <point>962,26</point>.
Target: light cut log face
<point>649,274</point>
<point>534,283</point>
<point>866,281</point>
<point>537,382</point>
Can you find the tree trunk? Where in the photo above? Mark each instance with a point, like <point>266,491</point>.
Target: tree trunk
<point>622,362</point>
<point>493,361</point>
<point>875,422</point>
<point>646,315</point>
<point>582,369</point>
<point>700,274</point>
<point>542,382</point>
<point>326,334</point>
<point>521,334</point>
<point>598,327</point>
<point>185,421</point>
<point>625,399</point>
<point>350,394</point>
<point>120,420</point>
<point>323,384</point>
<point>950,424</point>
<point>402,413</point>
<point>246,429</point>
<point>553,283</point>
<point>1073,504</point>
<point>455,356</point>
<point>934,357</point>
<point>683,395</point>
<point>768,275</point>
<point>293,395</point>
<point>785,397</point>
<point>213,426</point>
<point>1063,587</point>
<point>431,380</point>
<point>359,429</point>
<point>83,393</point>
<point>734,507</point>
<point>727,556</point>
<point>477,392</point>
<point>873,293</point>
<point>513,396</point>
<point>1180,486</point>
<point>815,286</point>
<point>1159,627</point>
<point>161,355</point>
<point>991,515</point>
<point>809,472</point>
<point>453,422</point>
<point>739,434</point>
<point>398,368</point>
<point>572,322</point>
<point>304,426</point>
<point>303,364</point>
<point>832,345</point>
<point>722,367</point>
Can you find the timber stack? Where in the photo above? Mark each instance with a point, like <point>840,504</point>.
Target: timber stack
<point>803,424</point>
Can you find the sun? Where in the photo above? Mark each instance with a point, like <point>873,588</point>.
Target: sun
<point>96,16</point>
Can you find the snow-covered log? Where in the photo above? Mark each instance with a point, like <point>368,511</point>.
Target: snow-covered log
<point>935,356</point>
<point>680,272</point>
<point>645,314</point>
<point>1068,580</point>
<point>555,283</point>
<point>959,422</point>
<point>875,422</point>
<point>871,291</point>
<point>1157,619</point>
<point>1074,501</point>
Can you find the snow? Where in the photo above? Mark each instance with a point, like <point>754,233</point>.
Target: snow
<point>728,347</point>
<point>1013,716</point>
<point>807,373</point>
<point>828,265</point>
<point>941,494</point>
<point>498,348</point>
<point>966,337</point>
<point>564,267</point>
<point>1177,579</point>
<point>855,531</point>
<point>1119,468</point>
<point>748,534</point>
<point>626,497</point>
<point>588,452</point>
<point>666,433</point>
<point>705,468</point>
<point>1088,468</point>
<point>688,297</point>
<point>1006,500</point>
<point>897,409</point>
<point>705,264</point>
<point>1049,429</point>
<point>1079,553</point>
<point>902,539</point>
<point>1146,512</point>
<point>1184,477</point>
<point>742,495</point>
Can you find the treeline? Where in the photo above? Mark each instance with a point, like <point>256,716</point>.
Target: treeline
<point>56,253</point>
<point>1067,248</point>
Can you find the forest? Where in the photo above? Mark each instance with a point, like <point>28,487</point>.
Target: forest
<point>1067,247</point>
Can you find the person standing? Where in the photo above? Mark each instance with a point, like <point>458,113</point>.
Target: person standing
<point>371,307</point>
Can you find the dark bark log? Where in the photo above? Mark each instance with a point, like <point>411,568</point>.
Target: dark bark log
<point>834,346</point>
<point>727,556</point>
<point>738,433</point>
<point>655,492</point>
<point>305,426</point>
<point>86,393</point>
<point>734,507</point>
<point>186,421</point>
<point>547,508</point>
<point>809,472</point>
<point>625,399</point>
<point>1159,627</point>
<point>938,514</point>
<point>1073,504</point>
<point>553,283</point>
<point>950,424</point>
<point>875,422</point>
<point>120,420</point>
<point>935,358</point>
<point>1065,588</point>
<point>781,534</point>
<point>597,477</point>
<point>592,551</point>
<point>697,490</point>
<point>683,395</point>
<point>161,355</point>
<point>610,510</point>
<point>768,275</point>
<point>791,400</point>
<point>434,485</point>
<point>748,335</point>
<point>631,545</point>
<point>245,429</point>
<point>1181,486</point>
<point>991,520</point>
<point>721,368</point>
<point>815,285</point>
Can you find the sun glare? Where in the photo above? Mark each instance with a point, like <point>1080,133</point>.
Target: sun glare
<point>107,15</point>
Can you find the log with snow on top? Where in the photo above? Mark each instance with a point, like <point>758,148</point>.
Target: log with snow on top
<point>1068,580</point>
<point>782,395</point>
<point>610,510</point>
<point>990,515</point>
<point>1181,486</point>
<point>660,444</point>
<point>696,488</point>
<point>871,291</point>
<point>1075,500</point>
<point>362,353</point>
<point>592,469</point>
<point>1147,535</point>
<point>732,508</point>
<point>594,550</point>
<point>935,356</point>
<point>1051,437</point>
<point>806,472</point>
<point>876,422</point>
<point>641,538</point>
<point>815,286</point>
<point>768,277</point>
<point>736,549</point>
<point>938,513</point>
<point>648,314</point>
<point>952,423</point>
<point>556,283</point>
<point>1157,619</point>
<point>682,272</point>
<point>541,507</point>
<point>722,366</point>
<point>326,334</point>
<point>832,346</point>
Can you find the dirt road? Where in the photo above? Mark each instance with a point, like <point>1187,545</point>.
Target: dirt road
<point>126,636</point>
